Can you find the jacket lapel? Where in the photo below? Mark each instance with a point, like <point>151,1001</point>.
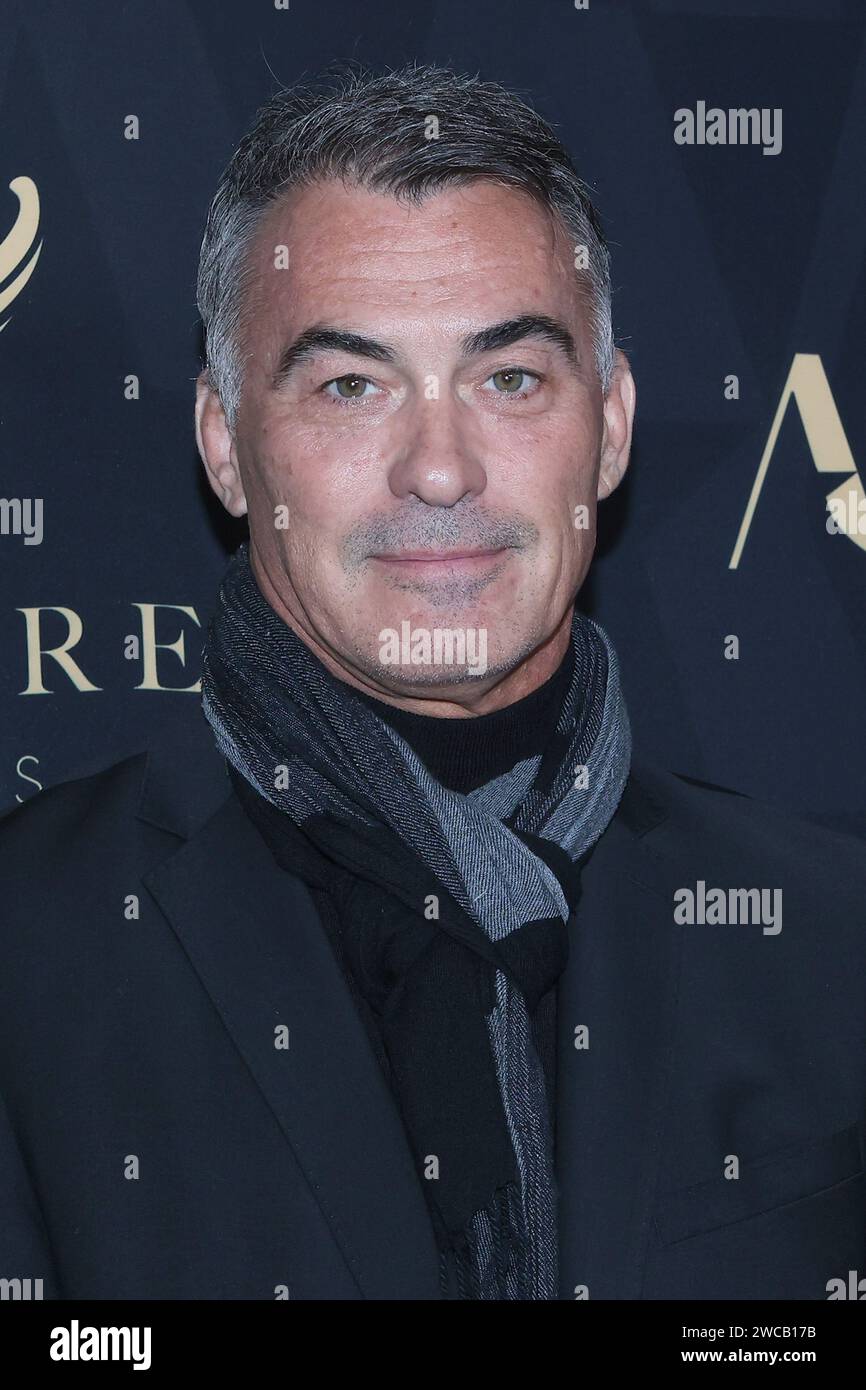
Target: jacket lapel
<point>253,935</point>
<point>620,983</point>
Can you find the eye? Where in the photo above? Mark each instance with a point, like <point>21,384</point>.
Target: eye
<point>509,381</point>
<point>351,382</point>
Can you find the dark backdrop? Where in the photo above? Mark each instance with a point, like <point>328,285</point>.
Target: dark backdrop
<point>727,263</point>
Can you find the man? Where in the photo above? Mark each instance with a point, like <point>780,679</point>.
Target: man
<point>451,997</point>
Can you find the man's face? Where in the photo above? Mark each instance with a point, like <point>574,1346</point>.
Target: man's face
<point>370,467</point>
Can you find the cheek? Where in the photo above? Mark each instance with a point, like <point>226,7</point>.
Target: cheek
<point>320,498</point>
<point>551,476</point>
<point>293,471</point>
<point>556,450</point>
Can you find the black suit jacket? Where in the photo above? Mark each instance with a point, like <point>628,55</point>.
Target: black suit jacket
<point>155,1143</point>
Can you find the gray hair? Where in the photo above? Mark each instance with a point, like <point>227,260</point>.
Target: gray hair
<point>370,130</point>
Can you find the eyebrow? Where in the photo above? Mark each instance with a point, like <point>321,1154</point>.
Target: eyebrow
<point>325,338</point>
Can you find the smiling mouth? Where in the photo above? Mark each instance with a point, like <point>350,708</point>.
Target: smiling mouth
<point>439,557</point>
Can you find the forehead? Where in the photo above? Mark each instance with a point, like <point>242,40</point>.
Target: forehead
<point>481,246</point>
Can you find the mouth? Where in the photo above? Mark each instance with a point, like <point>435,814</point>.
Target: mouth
<point>415,559</point>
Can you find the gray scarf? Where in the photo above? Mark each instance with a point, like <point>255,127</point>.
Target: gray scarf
<point>347,780</point>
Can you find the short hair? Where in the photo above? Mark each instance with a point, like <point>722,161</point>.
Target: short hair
<point>369,129</point>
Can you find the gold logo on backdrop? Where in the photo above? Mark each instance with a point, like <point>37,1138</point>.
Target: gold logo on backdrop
<point>807,383</point>
<point>17,244</point>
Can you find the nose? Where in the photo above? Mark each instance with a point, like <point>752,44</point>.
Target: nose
<point>438,458</point>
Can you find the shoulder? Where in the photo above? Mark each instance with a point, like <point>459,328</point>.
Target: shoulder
<point>72,860</point>
<point>69,832</point>
<point>718,822</point>
<point>139,803</point>
<point>51,812</point>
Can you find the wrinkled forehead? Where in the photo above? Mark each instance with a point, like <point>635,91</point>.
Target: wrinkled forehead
<point>482,248</point>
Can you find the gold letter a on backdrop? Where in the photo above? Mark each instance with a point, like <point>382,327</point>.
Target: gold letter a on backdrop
<point>807,383</point>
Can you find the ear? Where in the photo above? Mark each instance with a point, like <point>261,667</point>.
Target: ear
<point>619,406</point>
<point>217,447</point>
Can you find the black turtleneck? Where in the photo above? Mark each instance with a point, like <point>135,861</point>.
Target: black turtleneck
<point>464,753</point>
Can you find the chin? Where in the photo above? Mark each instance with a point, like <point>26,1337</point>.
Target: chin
<point>411,655</point>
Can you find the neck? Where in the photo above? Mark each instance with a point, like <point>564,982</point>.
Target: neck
<point>465,753</point>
